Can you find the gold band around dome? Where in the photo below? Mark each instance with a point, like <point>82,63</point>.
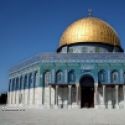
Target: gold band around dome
<point>92,30</point>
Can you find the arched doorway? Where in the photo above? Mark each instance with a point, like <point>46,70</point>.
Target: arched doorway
<point>87,91</point>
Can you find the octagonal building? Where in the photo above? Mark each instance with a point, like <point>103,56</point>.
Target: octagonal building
<point>86,71</point>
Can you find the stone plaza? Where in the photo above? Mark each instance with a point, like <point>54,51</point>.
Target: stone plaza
<point>63,117</point>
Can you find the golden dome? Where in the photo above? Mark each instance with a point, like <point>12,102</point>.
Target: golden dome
<point>92,30</point>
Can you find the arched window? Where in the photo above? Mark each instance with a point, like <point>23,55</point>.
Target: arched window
<point>115,76</point>
<point>59,76</point>
<point>102,76</point>
<point>47,78</point>
<point>71,76</point>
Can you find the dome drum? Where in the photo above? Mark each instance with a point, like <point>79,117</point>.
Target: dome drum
<point>88,47</point>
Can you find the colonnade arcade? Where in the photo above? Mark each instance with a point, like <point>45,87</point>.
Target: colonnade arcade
<point>107,92</point>
<point>98,96</point>
<point>19,85</point>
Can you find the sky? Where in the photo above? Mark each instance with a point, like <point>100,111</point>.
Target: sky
<point>29,27</point>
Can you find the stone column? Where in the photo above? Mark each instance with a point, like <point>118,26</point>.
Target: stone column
<point>69,96</point>
<point>116,97</point>
<point>28,89</point>
<point>103,95</point>
<point>14,97</point>
<point>18,91</point>
<point>56,96</point>
<point>77,95</point>
<point>95,96</point>
<point>43,95</point>
<point>40,90</point>
<point>34,81</point>
<point>23,89</point>
<point>50,96</point>
<point>15,92</point>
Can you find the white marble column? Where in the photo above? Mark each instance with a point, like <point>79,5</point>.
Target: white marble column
<point>34,82</point>
<point>15,92</point>
<point>95,96</point>
<point>50,96</point>
<point>69,96</point>
<point>23,90</point>
<point>28,89</point>
<point>77,95</point>
<point>56,96</point>
<point>31,89</point>
<point>43,96</point>
<point>103,87</point>
<point>116,97</point>
<point>20,93</point>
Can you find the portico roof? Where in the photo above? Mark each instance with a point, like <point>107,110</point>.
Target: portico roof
<point>115,57</point>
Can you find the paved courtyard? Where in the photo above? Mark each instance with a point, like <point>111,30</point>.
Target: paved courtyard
<point>63,117</point>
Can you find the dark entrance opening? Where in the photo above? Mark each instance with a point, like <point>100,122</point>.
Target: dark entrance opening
<point>87,91</point>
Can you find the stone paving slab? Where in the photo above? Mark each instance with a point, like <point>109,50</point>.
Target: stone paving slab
<point>63,117</point>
